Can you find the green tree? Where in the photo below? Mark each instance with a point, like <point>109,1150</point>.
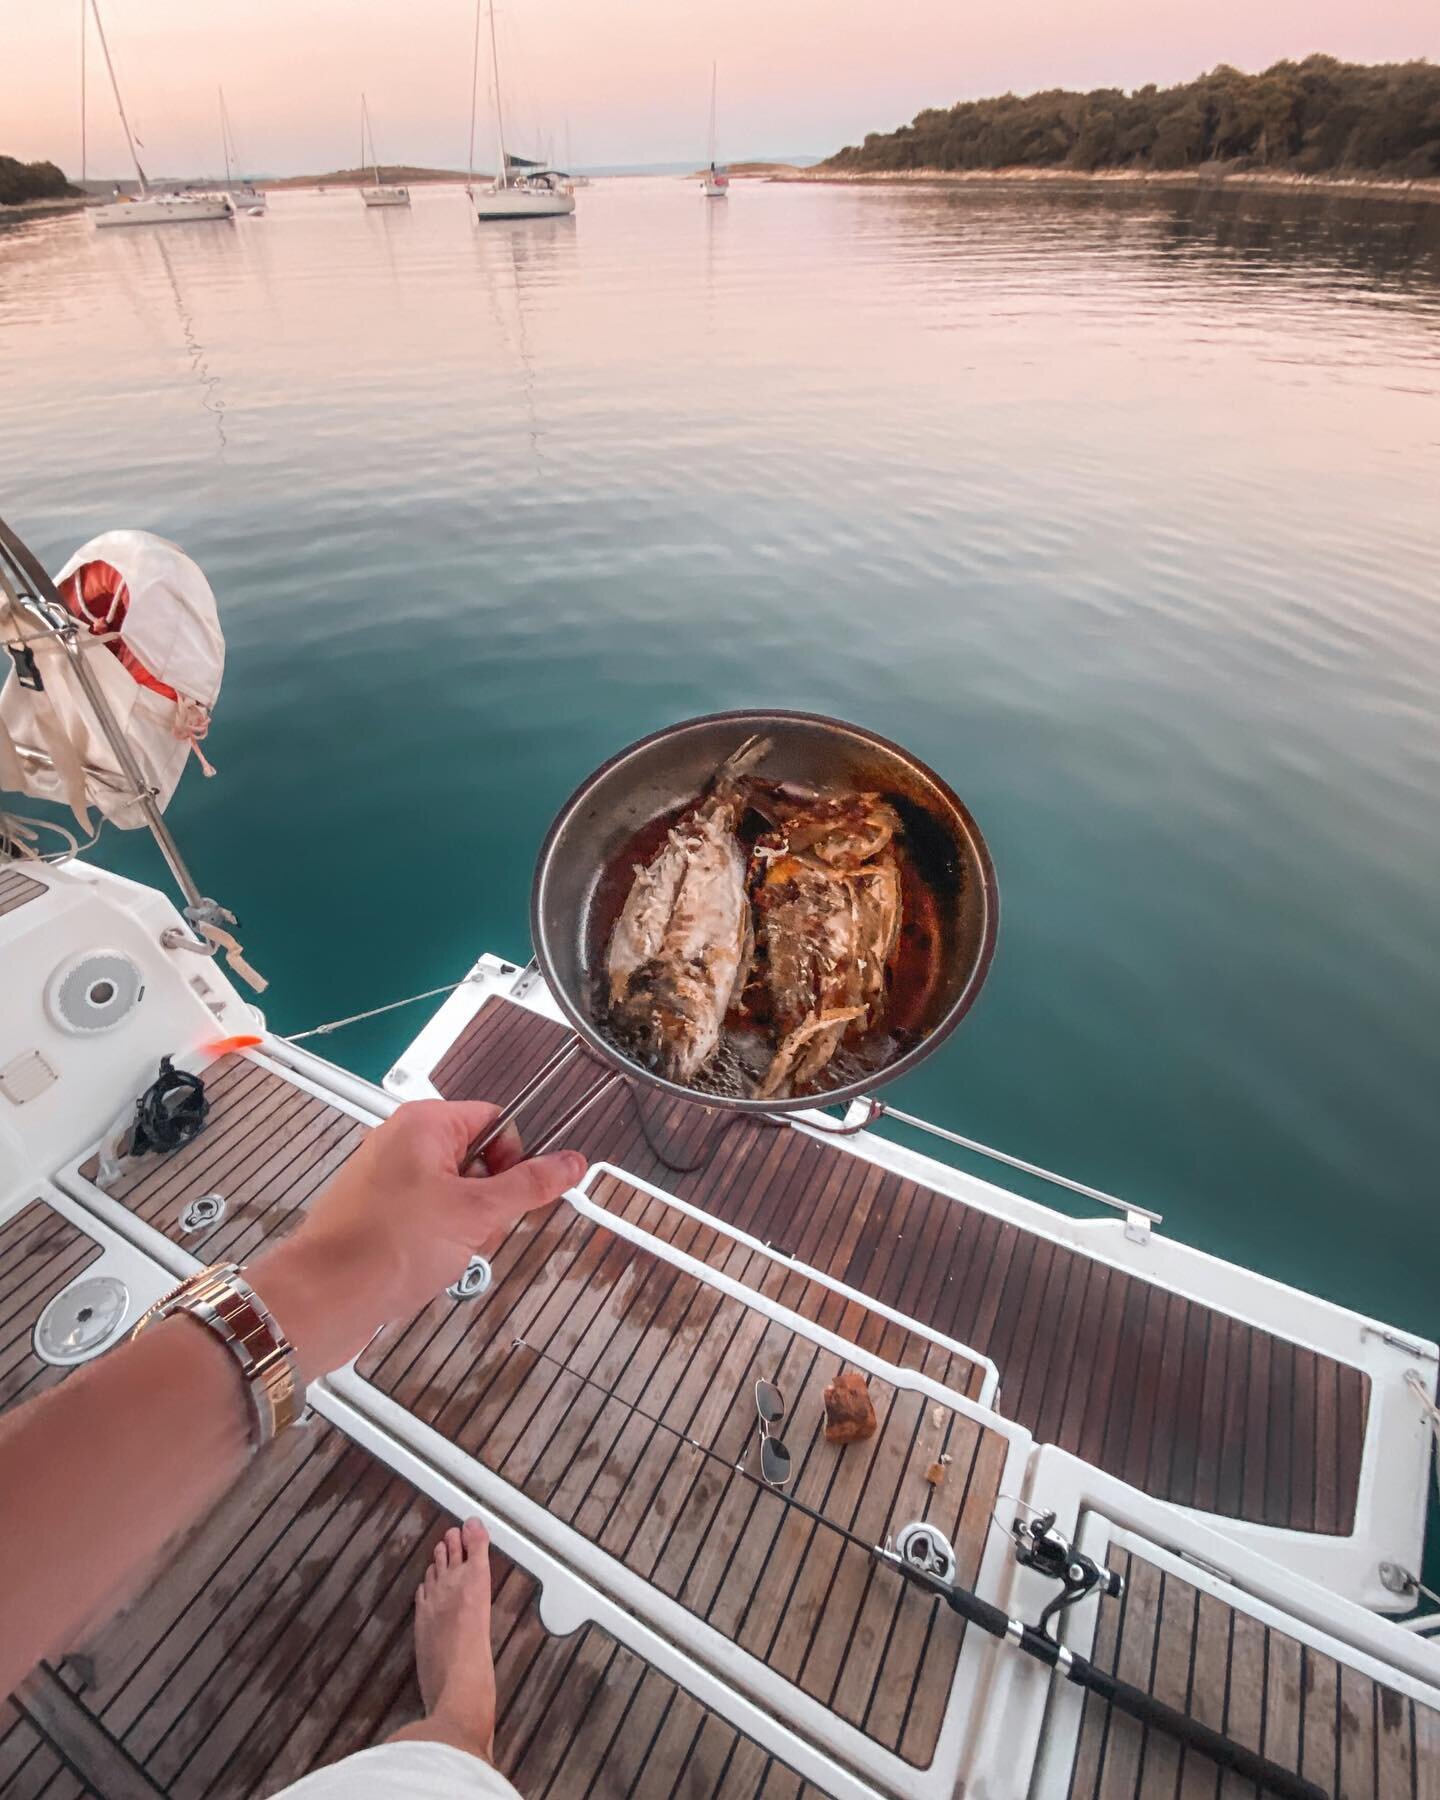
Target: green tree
<point>1311,117</point>
<point>31,181</point>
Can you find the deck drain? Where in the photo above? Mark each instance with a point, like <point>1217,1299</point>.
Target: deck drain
<point>473,1282</point>
<point>81,1320</point>
<point>197,1215</point>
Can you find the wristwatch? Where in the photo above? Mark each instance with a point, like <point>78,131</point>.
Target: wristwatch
<point>223,1301</point>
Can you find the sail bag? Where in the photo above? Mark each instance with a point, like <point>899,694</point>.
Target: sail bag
<point>153,643</point>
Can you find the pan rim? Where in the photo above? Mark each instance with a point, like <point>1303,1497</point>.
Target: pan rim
<point>599,1046</point>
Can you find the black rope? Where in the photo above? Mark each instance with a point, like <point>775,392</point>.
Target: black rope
<point>170,1112</point>
<point>712,1144</point>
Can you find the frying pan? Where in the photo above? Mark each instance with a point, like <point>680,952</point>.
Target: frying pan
<point>586,864</point>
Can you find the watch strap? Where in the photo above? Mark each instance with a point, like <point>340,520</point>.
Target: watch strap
<point>225,1303</point>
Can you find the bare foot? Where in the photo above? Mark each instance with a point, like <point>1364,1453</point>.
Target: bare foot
<point>452,1640</point>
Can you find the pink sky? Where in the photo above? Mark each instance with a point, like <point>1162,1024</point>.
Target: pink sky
<point>630,78</point>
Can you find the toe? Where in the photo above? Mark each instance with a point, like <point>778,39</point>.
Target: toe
<point>475,1538</point>
<point>454,1549</point>
<point>441,1560</point>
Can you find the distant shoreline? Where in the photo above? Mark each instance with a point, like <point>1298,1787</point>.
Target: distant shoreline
<point>1364,187</point>
<point>37,209</point>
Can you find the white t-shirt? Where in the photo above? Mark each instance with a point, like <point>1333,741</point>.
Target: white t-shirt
<point>404,1771</point>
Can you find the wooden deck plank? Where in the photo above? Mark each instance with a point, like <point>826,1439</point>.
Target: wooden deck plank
<point>1136,1433</point>
<point>17,890</point>
<point>1095,1716</point>
<point>1357,1738</point>
<point>322,1664</point>
<point>1320,1729</point>
<point>1120,1770</point>
<point>1233,1445</point>
<point>1354,1388</point>
<point>1208,1694</point>
<point>1169,1681</point>
<point>1394,1746</point>
<point>1244,1720</point>
<point>1425,1752</point>
<point>43,1252</point>
<point>1157,1469</point>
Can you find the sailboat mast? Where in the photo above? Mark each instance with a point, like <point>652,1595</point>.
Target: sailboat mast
<point>712,118</point>
<point>503,178</point>
<point>83,156</point>
<point>119,103</point>
<point>224,137</point>
<point>365,126</point>
<point>474,98</point>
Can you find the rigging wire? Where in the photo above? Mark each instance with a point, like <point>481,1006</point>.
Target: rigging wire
<point>294,1037</point>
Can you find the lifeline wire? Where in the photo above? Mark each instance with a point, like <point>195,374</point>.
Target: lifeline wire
<point>294,1037</point>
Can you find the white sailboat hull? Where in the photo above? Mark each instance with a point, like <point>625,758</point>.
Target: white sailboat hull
<point>165,209</point>
<point>715,190</point>
<point>385,196</point>
<point>523,203</point>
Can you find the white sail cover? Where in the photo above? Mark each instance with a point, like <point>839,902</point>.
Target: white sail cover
<point>154,645</point>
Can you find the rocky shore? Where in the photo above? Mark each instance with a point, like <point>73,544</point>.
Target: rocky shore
<point>1211,178</point>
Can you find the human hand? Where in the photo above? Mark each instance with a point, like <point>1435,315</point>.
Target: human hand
<point>397,1224</point>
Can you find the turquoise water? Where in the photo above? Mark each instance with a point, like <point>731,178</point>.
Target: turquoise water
<point>1121,510</point>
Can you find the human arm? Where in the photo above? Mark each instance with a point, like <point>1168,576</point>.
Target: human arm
<point>97,1475</point>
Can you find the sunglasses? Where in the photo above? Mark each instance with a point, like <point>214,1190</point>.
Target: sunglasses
<point>774,1457</point>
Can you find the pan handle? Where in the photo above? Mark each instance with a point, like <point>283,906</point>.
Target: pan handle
<point>873,1110</point>
<point>546,1073</point>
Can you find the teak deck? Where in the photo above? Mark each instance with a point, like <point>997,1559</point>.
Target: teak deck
<point>615,1388</point>
<point>1170,1395</point>
<point>1176,1397</point>
<point>16,889</point>
<point>40,1253</point>
<point>278,1638</point>
<point>1357,1739</point>
<point>617,1391</point>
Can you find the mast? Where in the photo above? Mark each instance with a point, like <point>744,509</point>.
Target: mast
<point>374,153</point>
<point>503,178</point>
<point>474,95</point>
<point>119,103</point>
<point>712,118</point>
<point>83,156</point>
<point>224,138</point>
<point>232,148</point>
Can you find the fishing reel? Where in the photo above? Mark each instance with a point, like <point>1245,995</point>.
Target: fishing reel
<point>1039,1546</point>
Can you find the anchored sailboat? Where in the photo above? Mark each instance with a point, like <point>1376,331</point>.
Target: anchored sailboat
<point>716,182</point>
<point>246,196</point>
<point>149,208</point>
<point>522,189</point>
<point>380,194</point>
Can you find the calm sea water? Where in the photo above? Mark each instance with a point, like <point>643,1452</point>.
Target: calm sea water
<point>1122,511</point>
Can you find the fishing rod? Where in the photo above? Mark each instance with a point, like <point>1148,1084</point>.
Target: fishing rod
<point>922,1554</point>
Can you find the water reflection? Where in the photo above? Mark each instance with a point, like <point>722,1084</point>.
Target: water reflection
<point>520,261</point>
<point>211,397</point>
